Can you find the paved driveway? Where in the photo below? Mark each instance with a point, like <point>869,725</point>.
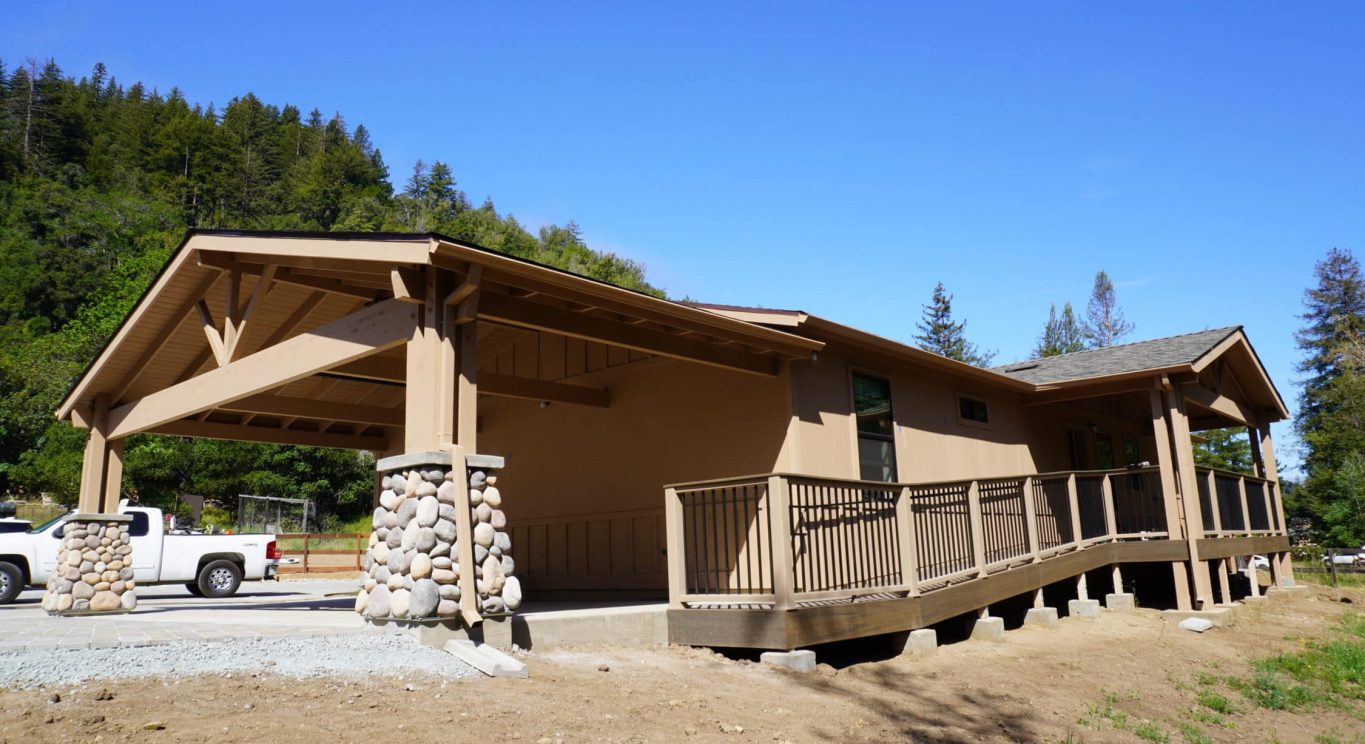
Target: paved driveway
<point>262,609</point>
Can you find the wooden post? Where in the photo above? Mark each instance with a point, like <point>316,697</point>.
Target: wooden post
<point>677,560</point>
<point>1224,588</point>
<point>907,541</point>
<point>464,536</point>
<point>1031,518</point>
<point>467,425</point>
<point>113,477</point>
<point>424,419</point>
<point>978,528</point>
<point>1118,579</point>
<point>1075,505</point>
<point>1211,482</point>
<point>1166,463</point>
<point>1183,449</point>
<point>779,499</point>
<point>1254,576</point>
<point>1082,591</point>
<point>305,552</point>
<point>1242,497</point>
<point>1110,514</point>
<point>95,463</point>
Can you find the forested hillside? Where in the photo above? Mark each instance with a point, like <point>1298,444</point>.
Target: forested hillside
<point>99,180</point>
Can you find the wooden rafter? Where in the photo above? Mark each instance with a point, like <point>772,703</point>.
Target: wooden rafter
<point>270,434</point>
<point>372,329</point>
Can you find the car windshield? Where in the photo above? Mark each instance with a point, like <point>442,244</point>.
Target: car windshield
<point>48,523</point>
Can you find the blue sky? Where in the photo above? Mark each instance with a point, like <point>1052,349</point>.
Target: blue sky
<point>839,158</point>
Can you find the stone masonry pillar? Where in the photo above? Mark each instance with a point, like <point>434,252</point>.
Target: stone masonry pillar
<point>94,569</point>
<point>412,567</point>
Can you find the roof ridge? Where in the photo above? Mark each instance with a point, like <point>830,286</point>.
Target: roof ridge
<point>1073,354</point>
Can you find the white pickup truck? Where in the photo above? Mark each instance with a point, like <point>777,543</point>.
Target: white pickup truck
<point>208,565</point>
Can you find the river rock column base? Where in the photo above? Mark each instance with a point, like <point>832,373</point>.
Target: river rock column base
<point>412,569</point>
<point>94,571</point>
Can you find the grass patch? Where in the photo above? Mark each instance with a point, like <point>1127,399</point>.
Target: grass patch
<point>1216,702</point>
<point>1193,734</point>
<point>1330,672</point>
<point>1207,716</point>
<point>1324,578</point>
<point>1107,712</point>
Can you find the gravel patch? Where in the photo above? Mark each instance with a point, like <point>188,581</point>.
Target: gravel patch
<point>343,655</point>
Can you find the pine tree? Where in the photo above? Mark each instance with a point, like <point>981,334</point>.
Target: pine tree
<point>1104,321</point>
<point>1225,449</point>
<point>942,335</point>
<point>1061,335</point>
<point>1331,415</point>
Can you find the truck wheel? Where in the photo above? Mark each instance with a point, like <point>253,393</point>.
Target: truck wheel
<point>219,579</point>
<point>193,588</point>
<point>11,582</point>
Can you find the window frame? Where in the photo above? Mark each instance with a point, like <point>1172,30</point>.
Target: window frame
<point>893,438</point>
<point>958,397</point>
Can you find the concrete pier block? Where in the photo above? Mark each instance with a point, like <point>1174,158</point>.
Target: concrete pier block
<point>801,660</point>
<point>1219,616</point>
<point>1123,601</point>
<point>1042,616</point>
<point>989,629</point>
<point>1083,608</point>
<point>921,642</point>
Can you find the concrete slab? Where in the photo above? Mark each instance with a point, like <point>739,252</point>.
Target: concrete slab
<point>1042,616</point>
<point>1123,601</point>
<point>487,659</point>
<point>1219,616</point>
<point>1196,624</point>
<point>548,625</point>
<point>989,629</point>
<point>1083,608</point>
<point>921,642</point>
<point>801,660</point>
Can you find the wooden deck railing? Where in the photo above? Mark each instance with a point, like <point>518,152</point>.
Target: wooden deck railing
<point>785,541</point>
<point>1234,504</point>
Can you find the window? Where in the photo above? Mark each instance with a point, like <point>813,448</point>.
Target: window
<point>1104,450</point>
<point>140,525</point>
<point>1075,446</point>
<point>1131,453</point>
<point>972,410</point>
<point>876,428</point>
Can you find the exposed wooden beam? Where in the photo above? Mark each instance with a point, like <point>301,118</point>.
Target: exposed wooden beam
<point>212,333</point>
<point>557,392</point>
<point>392,252</point>
<point>270,434</point>
<point>408,284</point>
<point>258,295</point>
<point>383,371</point>
<point>1220,404</point>
<point>167,330</point>
<point>280,406</point>
<point>467,288</point>
<point>290,275</point>
<point>591,328</point>
<point>372,329</point>
<point>1077,392</point>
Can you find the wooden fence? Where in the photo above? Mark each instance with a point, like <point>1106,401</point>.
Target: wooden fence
<point>323,552</point>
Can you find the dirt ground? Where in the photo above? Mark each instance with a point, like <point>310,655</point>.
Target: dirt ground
<point>1040,685</point>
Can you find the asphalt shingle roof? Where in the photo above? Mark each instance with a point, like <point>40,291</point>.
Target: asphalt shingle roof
<point>1134,357</point>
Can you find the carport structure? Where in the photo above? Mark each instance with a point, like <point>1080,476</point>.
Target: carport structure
<point>369,341</point>
<point>378,342</point>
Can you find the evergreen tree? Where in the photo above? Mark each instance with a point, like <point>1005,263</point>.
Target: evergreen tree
<point>942,335</point>
<point>1331,415</point>
<point>1104,321</point>
<point>1062,335</point>
<point>1225,449</point>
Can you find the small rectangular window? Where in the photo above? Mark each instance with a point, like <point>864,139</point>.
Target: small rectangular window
<point>1131,454</point>
<point>1104,450</point>
<point>972,410</point>
<point>876,428</point>
<point>140,525</point>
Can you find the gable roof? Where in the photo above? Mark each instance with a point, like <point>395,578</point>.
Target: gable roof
<point>1154,354</point>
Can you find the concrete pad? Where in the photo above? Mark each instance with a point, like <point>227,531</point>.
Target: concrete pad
<point>1196,624</point>
<point>989,629</point>
<point>486,659</point>
<point>544,625</point>
<point>1123,601</point>
<point>921,642</point>
<point>801,660</point>
<point>1253,600</point>
<point>1083,608</point>
<point>1044,616</point>
<point>1220,616</point>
